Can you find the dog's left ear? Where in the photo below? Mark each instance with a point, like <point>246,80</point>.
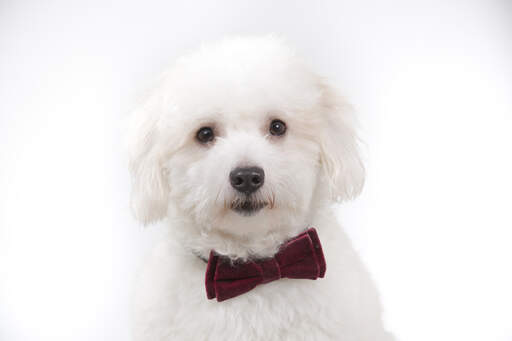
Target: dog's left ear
<point>340,157</point>
<point>149,184</point>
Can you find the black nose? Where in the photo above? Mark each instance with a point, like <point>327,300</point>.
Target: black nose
<point>247,180</point>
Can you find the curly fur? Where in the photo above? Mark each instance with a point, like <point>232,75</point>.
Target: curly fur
<point>237,87</point>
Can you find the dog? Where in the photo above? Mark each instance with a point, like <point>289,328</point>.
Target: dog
<point>240,148</point>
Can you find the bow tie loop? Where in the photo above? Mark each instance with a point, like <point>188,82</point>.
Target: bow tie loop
<point>299,258</point>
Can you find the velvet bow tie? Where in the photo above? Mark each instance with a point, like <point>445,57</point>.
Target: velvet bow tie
<point>301,257</point>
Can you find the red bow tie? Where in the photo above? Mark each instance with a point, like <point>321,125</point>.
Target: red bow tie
<point>301,257</point>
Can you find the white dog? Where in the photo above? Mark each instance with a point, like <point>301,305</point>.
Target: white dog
<point>241,148</point>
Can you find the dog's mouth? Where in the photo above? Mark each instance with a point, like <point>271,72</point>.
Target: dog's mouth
<point>247,207</point>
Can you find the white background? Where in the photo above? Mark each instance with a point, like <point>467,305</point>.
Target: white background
<point>431,82</point>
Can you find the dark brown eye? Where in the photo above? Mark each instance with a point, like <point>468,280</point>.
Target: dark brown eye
<point>205,135</point>
<point>277,127</point>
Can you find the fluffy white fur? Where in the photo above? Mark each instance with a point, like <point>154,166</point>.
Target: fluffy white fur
<point>238,86</point>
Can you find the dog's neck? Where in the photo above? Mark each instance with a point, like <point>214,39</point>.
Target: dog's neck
<point>200,242</point>
<point>236,247</point>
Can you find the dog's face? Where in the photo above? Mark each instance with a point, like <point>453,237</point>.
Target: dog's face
<point>246,170</point>
<point>241,138</point>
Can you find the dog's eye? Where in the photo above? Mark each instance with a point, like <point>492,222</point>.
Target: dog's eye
<point>205,135</point>
<point>277,127</point>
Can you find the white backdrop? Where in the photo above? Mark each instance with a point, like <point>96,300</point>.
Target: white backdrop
<point>432,84</point>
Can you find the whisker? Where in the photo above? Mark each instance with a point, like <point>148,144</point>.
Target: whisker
<point>217,197</point>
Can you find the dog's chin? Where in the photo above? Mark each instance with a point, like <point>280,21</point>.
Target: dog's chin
<point>248,208</point>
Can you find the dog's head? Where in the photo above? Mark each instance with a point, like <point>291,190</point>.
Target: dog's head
<point>241,137</point>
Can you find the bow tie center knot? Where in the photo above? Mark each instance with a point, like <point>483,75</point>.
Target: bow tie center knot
<point>270,270</point>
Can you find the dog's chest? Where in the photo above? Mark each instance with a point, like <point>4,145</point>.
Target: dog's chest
<point>286,309</point>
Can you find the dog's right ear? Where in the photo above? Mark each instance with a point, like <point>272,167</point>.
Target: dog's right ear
<point>150,189</point>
